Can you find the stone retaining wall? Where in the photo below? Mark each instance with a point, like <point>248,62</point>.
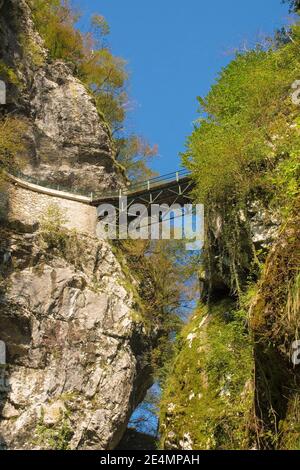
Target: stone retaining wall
<point>27,206</point>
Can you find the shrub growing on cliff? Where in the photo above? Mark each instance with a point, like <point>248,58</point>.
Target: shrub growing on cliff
<point>7,74</point>
<point>249,122</point>
<point>11,142</point>
<point>54,236</point>
<point>245,148</point>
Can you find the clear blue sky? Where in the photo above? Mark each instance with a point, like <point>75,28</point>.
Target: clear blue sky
<point>174,51</point>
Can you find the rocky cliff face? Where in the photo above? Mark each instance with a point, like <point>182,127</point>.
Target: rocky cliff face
<point>68,143</point>
<point>77,349</point>
<point>233,384</point>
<point>233,238</point>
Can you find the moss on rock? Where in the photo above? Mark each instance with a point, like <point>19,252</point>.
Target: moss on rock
<point>208,398</point>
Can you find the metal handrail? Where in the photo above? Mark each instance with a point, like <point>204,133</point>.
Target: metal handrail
<point>149,184</point>
<point>167,176</point>
<point>47,184</point>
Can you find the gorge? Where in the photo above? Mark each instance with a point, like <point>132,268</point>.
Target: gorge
<point>89,325</point>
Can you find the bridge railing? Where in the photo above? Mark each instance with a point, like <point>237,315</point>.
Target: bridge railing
<point>49,184</point>
<point>133,188</point>
<point>158,180</point>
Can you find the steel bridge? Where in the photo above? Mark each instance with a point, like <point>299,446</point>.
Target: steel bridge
<point>172,188</point>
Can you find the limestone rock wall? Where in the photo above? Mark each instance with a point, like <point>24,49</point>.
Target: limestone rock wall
<point>76,350</point>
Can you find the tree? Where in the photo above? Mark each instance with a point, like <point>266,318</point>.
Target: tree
<point>168,286</point>
<point>135,153</point>
<point>145,417</point>
<point>102,72</point>
<point>294,5</point>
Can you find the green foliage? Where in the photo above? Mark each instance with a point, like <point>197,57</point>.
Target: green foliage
<point>229,260</point>
<point>208,394</point>
<point>12,131</point>
<point>56,238</point>
<point>247,124</point>
<point>246,147</point>
<point>274,323</point>
<point>285,178</point>
<point>293,4</point>
<point>275,313</point>
<point>8,74</point>
<point>289,428</point>
<point>134,154</point>
<point>32,50</point>
<point>164,291</point>
<point>101,26</point>
<point>57,437</point>
<point>12,144</point>
<point>52,226</point>
<point>231,385</point>
<point>55,22</point>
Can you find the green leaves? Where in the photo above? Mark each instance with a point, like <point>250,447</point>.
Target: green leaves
<point>12,132</point>
<point>246,122</point>
<point>294,5</point>
<point>134,154</point>
<point>100,25</point>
